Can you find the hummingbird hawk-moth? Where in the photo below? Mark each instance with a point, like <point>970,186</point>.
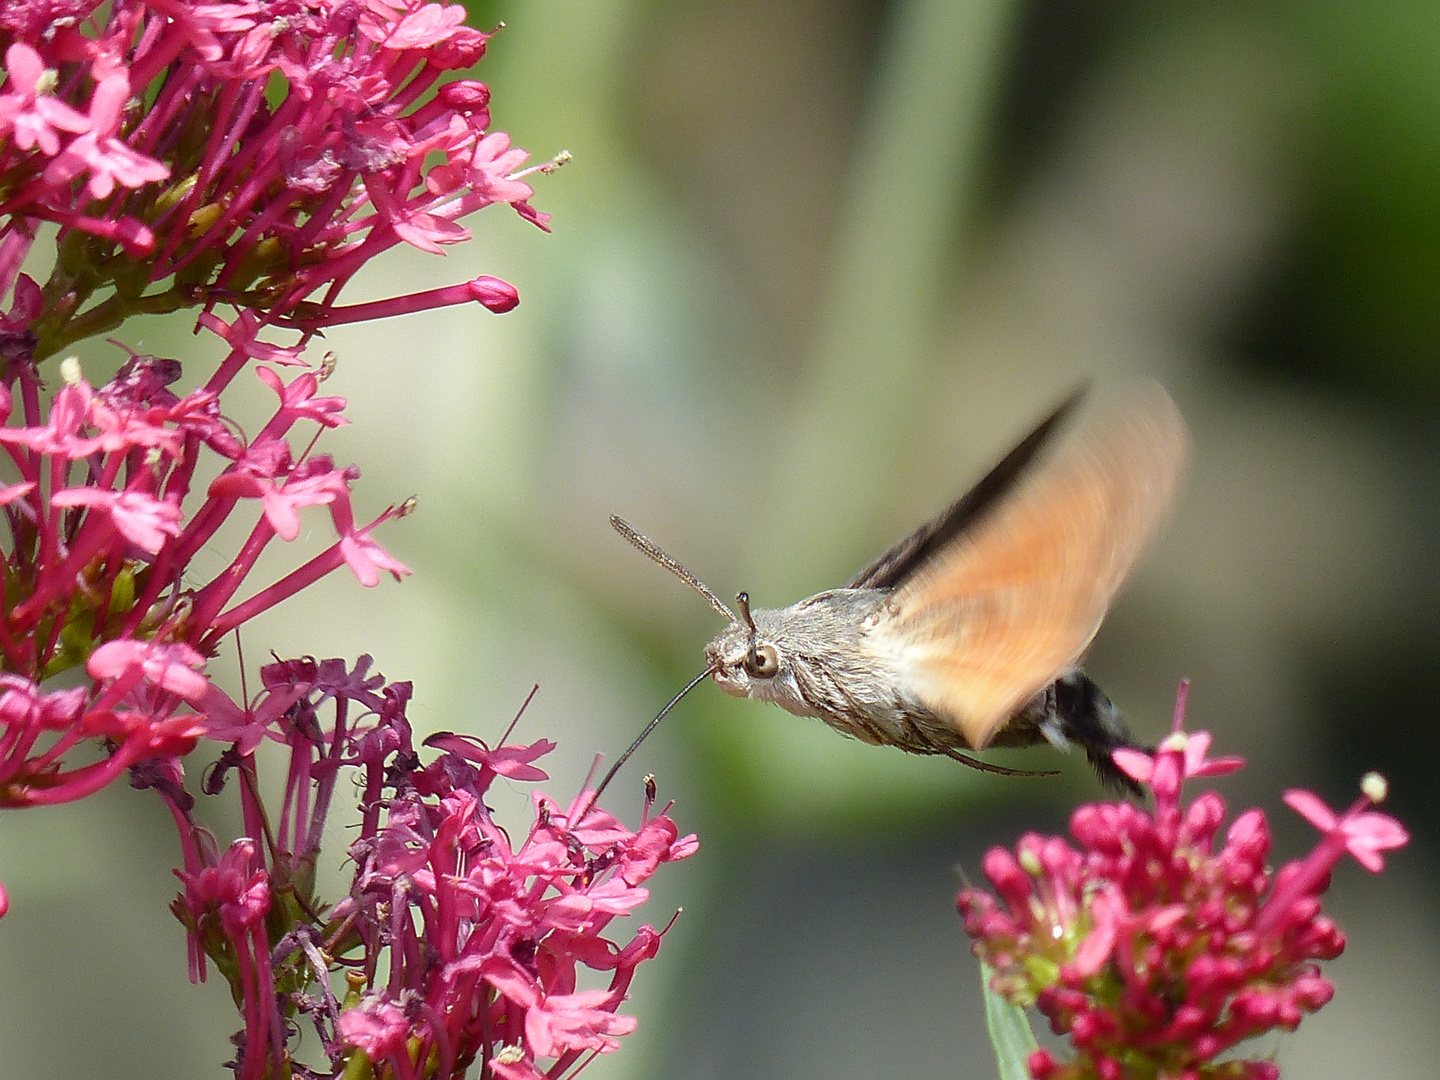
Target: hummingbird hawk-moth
<point>969,632</point>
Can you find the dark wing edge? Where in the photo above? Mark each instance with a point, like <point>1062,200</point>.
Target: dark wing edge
<point>901,559</point>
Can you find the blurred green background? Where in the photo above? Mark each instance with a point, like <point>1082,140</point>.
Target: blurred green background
<point>815,266</point>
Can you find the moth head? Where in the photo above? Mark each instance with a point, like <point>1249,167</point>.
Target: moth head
<point>750,659</point>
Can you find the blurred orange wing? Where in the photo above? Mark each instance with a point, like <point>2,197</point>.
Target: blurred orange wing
<point>1009,604</point>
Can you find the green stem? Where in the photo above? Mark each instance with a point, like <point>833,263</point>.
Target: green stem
<point>108,315</point>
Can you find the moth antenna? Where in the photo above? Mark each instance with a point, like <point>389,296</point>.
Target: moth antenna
<point>742,601</point>
<point>654,553</point>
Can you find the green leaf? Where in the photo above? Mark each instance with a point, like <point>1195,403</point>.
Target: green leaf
<point>1010,1032</point>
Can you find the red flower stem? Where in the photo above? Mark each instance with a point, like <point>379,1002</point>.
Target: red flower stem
<point>308,233</point>
<point>1319,863</point>
<point>215,595</point>
<point>328,560</point>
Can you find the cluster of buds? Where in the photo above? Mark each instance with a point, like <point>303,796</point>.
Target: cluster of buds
<point>1152,951</point>
<point>456,945</point>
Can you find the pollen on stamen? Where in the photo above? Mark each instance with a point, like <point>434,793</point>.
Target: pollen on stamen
<point>1374,787</point>
<point>509,1055</point>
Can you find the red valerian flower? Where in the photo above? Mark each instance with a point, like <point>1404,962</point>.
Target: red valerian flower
<point>99,560</point>
<point>460,944</point>
<point>251,155</point>
<point>1153,951</point>
<point>109,160</point>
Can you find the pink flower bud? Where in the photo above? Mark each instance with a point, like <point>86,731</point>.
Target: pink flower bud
<point>492,293</point>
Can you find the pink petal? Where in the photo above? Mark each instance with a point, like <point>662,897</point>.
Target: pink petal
<point>1136,764</point>
<point>1311,808</point>
<point>366,559</point>
<point>1371,833</point>
<point>10,492</point>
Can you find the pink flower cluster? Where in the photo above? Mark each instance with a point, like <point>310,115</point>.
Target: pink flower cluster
<point>104,529</point>
<point>254,153</point>
<point>459,946</point>
<point>1153,951</point>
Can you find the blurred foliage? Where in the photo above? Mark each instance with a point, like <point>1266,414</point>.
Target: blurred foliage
<point>1352,297</point>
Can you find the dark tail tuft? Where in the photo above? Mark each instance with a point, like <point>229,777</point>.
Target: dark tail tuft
<point>1091,719</point>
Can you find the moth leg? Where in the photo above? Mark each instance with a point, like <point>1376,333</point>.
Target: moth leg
<point>991,767</point>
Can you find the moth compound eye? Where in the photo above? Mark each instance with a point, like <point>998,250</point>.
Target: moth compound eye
<point>763,662</point>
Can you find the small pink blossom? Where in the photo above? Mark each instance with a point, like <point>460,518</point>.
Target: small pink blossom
<point>420,29</point>
<point>201,25</point>
<point>488,169</point>
<point>512,762</point>
<point>417,227</point>
<point>378,1027</point>
<point>109,160</point>
<point>367,559</point>
<point>281,500</point>
<point>1364,834</point>
<point>174,667</point>
<point>579,1021</point>
<point>234,887</point>
<point>1180,757</point>
<point>298,401</point>
<point>141,518</point>
<point>29,113</point>
<point>241,335</point>
<point>62,434</point>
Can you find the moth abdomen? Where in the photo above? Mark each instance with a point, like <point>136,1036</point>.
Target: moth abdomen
<point>1073,709</point>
